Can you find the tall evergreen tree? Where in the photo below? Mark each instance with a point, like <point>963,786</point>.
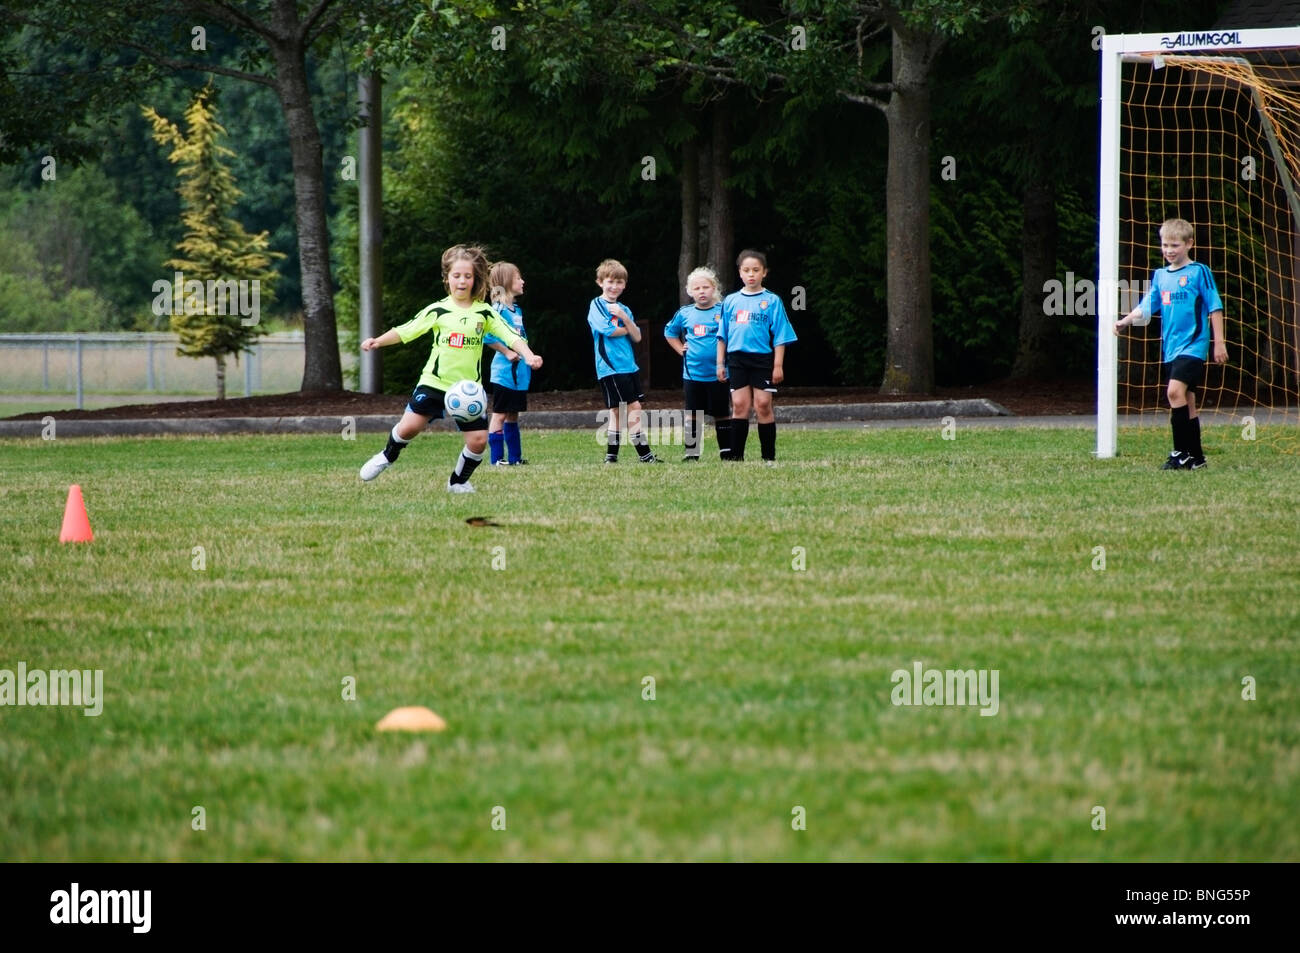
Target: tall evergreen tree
<point>216,254</point>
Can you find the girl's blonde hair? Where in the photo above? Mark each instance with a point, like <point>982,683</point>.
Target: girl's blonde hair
<point>502,282</point>
<point>709,275</point>
<point>478,261</point>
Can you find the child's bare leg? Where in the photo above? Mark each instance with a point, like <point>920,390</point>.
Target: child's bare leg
<point>497,422</point>
<point>742,400</point>
<point>1177,393</point>
<point>763,407</point>
<point>410,426</point>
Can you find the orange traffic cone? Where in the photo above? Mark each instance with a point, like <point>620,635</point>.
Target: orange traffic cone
<point>76,524</point>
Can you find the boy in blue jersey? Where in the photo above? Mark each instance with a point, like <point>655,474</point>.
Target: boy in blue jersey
<point>613,332</point>
<point>510,376</point>
<point>693,334</point>
<point>1185,296</point>
<point>752,335</point>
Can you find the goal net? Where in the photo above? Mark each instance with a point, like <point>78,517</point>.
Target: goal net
<point>1211,136</point>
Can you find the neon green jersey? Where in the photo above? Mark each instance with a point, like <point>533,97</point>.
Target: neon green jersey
<point>457,351</point>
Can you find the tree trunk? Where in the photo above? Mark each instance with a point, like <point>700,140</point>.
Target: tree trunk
<point>688,256</point>
<point>221,376</point>
<point>722,227</point>
<point>1036,352</point>
<point>322,369</point>
<point>909,354</point>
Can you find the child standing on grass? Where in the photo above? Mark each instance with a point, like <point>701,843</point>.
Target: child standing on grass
<point>693,334</point>
<point>1184,295</point>
<point>613,332</point>
<point>752,335</point>
<point>457,322</point>
<point>510,375</point>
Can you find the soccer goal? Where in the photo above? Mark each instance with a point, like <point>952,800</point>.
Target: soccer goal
<point>1205,127</point>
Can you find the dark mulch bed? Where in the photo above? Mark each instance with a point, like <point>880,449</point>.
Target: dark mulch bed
<point>1023,398</point>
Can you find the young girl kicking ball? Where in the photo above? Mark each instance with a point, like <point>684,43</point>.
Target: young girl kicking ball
<point>458,323</point>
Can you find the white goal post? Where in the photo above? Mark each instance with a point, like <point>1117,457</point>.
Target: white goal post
<point>1223,45</point>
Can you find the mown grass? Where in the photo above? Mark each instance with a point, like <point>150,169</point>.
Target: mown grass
<point>1119,688</point>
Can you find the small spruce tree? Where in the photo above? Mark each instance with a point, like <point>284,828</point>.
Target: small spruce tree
<point>216,254</point>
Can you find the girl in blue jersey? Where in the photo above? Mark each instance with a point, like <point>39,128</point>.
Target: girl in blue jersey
<point>752,336</point>
<point>510,374</point>
<point>693,334</point>
<point>1184,295</point>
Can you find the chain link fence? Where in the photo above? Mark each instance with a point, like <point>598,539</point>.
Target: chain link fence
<point>145,365</point>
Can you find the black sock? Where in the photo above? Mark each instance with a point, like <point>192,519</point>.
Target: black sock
<point>465,466</point>
<point>395,446</point>
<point>1194,443</point>
<point>642,448</point>
<point>611,444</point>
<point>767,440</point>
<point>1178,423</point>
<point>722,430</point>
<point>692,425</point>
<point>739,434</point>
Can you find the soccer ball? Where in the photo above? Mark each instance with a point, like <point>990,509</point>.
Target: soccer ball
<point>466,401</point>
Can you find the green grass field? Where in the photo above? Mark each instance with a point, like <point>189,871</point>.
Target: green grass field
<point>1119,688</point>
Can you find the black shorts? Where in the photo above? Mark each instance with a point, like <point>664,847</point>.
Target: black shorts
<point>427,402</point>
<point>1189,370</point>
<point>506,400</point>
<point>621,389</point>
<point>748,369</point>
<point>712,397</point>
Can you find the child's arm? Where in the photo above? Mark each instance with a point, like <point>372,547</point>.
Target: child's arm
<point>628,326</point>
<point>722,359</point>
<point>502,349</point>
<point>677,345</point>
<point>531,359</point>
<point>778,372</point>
<point>1220,342</point>
<point>388,337</point>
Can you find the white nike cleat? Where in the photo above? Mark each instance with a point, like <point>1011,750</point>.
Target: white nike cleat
<point>460,487</point>
<point>375,466</point>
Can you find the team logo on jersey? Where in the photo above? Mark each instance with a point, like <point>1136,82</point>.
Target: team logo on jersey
<point>1166,297</point>
<point>456,340</point>
<point>764,303</point>
<point>478,328</point>
<point>699,330</point>
<point>1182,282</point>
<point>742,317</point>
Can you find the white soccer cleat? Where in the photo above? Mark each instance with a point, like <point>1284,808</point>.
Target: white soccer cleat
<point>459,487</point>
<point>375,466</point>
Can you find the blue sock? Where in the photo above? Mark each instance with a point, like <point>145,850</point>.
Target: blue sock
<point>496,443</point>
<point>511,434</point>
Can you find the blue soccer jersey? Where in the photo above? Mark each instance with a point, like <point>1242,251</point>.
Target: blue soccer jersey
<point>698,329</point>
<point>513,374</point>
<point>613,354</point>
<point>756,323</point>
<point>1184,298</point>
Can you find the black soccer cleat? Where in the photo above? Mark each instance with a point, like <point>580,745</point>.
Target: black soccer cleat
<point>1177,461</point>
<point>1195,463</point>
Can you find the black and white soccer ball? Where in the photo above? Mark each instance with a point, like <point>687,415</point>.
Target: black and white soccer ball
<point>466,401</point>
